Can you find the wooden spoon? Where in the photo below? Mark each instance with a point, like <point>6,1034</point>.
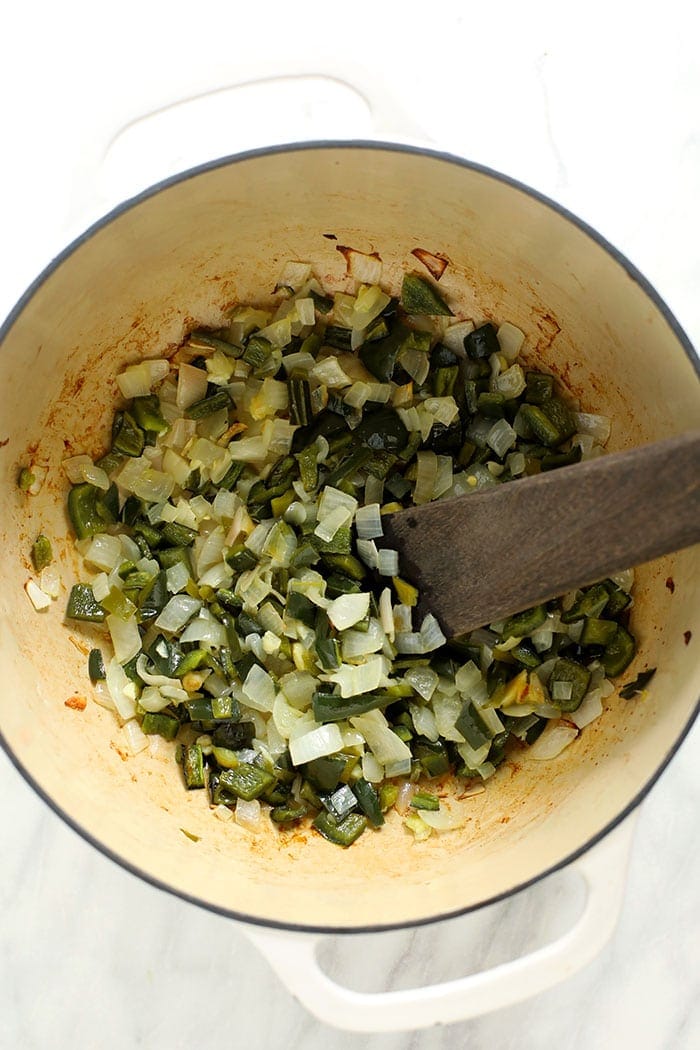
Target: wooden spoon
<point>484,556</point>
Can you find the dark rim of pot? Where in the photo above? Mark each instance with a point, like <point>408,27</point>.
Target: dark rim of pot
<point>631,271</point>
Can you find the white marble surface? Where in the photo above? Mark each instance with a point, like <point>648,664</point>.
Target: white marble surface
<point>599,107</point>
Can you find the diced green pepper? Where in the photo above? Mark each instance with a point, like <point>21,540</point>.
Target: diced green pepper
<point>524,622</point>
<point>193,766</point>
<point>569,672</point>
<point>209,405</point>
<point>343,832</point>
<point>482,342</point>
<point>423,800</point>
<point>148,415</point>
<point>83,606</point>
<point>42,555</point>
<point>598,632</point>
<point>329,707</point>
<point>369,801</point>
<point>96,666</point>
<point>160,724</point>
<point>419,296</point>
<point>88,511</point>
<point>247,781</point>
<point>127,435</point>
<point>619,653</point>
<point>472,727</point>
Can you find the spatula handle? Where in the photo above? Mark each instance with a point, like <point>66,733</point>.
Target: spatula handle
<point>545,535</point>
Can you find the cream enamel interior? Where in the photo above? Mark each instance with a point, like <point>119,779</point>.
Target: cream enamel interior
<point>185,253</point>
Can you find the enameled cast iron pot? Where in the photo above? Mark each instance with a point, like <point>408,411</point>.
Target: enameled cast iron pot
<point>132,286</point>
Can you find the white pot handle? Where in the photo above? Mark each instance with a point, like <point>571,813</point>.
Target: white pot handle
<point>293,956</point>
<point>135,107</point>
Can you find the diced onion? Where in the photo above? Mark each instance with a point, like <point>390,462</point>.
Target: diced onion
<point>259,689</point>
<point>125,637</point>
<point>362,678</point>
<point>455,334</point>
<point>179,609</point>
<point>369,522</point>
<point>388,562</point>
<point>510,340</point>
<point>598,427</point>
<point>426,475</point>
<point>591,707</point>
<point>556,736</point>
<point>325,740</point>
<point>423,679</point>
<point>501,437</point>
<point>347,610</point>
<point>135,737</point>
<point>248,813</point>
<point>39,599</point>
<point>382,741</point>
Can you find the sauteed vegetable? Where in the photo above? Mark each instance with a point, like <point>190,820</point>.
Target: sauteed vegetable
<point>232,539</point>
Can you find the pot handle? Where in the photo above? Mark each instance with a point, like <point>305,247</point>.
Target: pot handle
<point>293,956</point>
<point>114,146</point>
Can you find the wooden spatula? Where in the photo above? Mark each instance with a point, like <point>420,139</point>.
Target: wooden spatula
<point>483,556</point>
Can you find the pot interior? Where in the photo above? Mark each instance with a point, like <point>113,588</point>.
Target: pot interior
<point>132,287</point>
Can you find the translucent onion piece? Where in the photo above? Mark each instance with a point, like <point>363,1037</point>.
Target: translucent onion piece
<point>125,637</point>
<point>388,562</point>
<point>50,581</point>
<point>501,437</point>
<point>598,427</point>
<point>39,599</point>
<point>362,678</point>
<point>384,744</point>
<point>179,609</point>
<point>248,814</point>
<point>510,383</point>
<point>590,708</point>
<point>153,679</point>
<point>135,737</point>
<point>121,690</point>
<point>259,689</point>
<point>347,610</point>
<point>368,522</point>
<point>510,340</point>
<point>454,335</point>
<point>424,680</point>
<point>372,770</point>
<point>424,721</point>
<point>153,700</point>
<point>426,475</point>
<point>556,735</point>
<point>325,740</point>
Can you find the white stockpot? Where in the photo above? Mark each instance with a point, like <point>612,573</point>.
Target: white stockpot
<point>132,286</point>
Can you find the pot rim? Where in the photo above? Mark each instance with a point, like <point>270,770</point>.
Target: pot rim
<point>562,212</point>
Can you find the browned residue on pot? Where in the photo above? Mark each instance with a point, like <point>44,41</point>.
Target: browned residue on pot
<point>76,703</point>
<point>434,264</point>
<point>687,635</point>
<point>670,584</point>
<point>350,254</point>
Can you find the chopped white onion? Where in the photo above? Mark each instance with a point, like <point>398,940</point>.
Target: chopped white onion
<point>135,737</point>
<point>39,599</point>
<point>388,562</point>
<point>555,736</point>
<point>367,549</point>
<point>259,689</point>
<point>598,427</point>
<point>455,334</point>
<point>179,609</point>
<point>423,679</point>
<point>369,522</point>
<point>382,741</point>
<point>325,740</point>
<point>347,610</point>
<point>121,689</point>
<point>590,708</point>
<point>50,581</point>
<point>248,814</point>
<point>426,476</point>
<point>511,340</point>
<point>501,437</point>
<point>361,678</point>
<point>372,771</point>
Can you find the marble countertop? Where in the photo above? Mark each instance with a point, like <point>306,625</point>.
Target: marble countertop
<point>602,116</point>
